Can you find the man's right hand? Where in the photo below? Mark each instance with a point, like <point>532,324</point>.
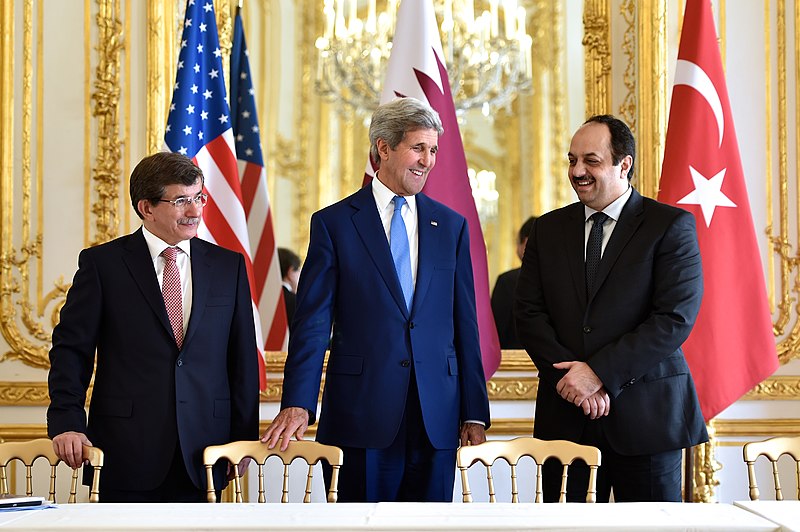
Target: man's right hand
<point>291,421</point>
<point>69,447</point>
<point>597,405</point>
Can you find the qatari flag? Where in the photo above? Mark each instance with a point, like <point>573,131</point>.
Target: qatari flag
<point>416,69</point>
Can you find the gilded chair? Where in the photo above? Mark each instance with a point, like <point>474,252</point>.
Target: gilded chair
<point>28,452</point>
<point>773,449</point>
<point>539,450</point>
<point>310,451</point>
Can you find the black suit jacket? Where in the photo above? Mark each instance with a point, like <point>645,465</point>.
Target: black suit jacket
<point>148,396</point>
<point>503,309</point>
<point>290,302</point>
<point>629,330</point>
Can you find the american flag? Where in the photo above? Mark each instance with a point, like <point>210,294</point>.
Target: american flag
<point>253,178</point>
<point>199,126</point>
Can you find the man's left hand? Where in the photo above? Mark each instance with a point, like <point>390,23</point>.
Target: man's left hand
<point>472,434</point>
<point>579,383</point>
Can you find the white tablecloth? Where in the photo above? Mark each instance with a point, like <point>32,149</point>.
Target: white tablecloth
<point>390,516</point>
<point>785,513</point>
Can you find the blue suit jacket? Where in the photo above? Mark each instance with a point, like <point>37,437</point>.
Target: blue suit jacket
<point>147,394</point>
<point>349,281</point>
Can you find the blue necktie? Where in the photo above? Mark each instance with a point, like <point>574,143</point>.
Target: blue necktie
<point>398,242</point>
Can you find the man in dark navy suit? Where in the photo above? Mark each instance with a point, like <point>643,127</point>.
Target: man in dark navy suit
<point>390,270</point>
<point>609,290</point>
<point>170,317</point>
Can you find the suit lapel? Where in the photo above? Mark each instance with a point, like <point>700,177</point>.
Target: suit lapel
<point>428,240</point>
<point>140,265</point>
<point>575,244</point>
<point>368,225</point>
<point>201,284</point>
<point>629,220</point>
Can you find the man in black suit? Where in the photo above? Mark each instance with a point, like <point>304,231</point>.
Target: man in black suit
<point>290,275</point>
<point>503,295</point>
<point>603,306</point>
<point>176,371</point>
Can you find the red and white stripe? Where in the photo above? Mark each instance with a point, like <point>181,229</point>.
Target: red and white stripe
<point>266,269</point>
<point>224,221</point>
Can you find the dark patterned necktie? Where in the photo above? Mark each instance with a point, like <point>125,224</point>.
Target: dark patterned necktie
<point>171,289</point>
<point>594,247</point>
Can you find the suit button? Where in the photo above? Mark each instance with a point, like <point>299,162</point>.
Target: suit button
<point>180,362</point>
<point>405,363</point>
<point>587,329</point>
<point>411,325</point>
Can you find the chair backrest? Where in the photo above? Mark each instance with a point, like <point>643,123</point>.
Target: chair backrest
<point>539,450</point>
<point>28,452</point>
<point>310,451</point>
<point>773,449</point>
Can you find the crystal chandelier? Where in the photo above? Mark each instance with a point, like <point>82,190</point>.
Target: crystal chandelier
<point>487,64</point>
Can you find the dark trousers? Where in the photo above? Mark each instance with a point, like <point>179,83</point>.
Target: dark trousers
<point>410,469</point>
<point>176,487</point>
<point>642,478</point>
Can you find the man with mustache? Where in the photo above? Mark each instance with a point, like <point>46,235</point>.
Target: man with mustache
<point>390,270</point>
<point>608,291</point>
<point>170,317</point>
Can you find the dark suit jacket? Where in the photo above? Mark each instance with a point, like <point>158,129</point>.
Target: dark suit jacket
<point>646,297</point>
<point>147,394</point>
<point>503,309</point>
<point>349,280</point>
<point>290,302</point>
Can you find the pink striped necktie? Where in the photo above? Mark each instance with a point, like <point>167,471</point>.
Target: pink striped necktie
<point>171,289</point>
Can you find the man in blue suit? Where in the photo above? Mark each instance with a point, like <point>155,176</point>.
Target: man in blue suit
<point>390,270</point>
<point>176,370</point>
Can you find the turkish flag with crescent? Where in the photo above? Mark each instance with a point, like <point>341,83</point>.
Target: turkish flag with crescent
<point>732,346</point>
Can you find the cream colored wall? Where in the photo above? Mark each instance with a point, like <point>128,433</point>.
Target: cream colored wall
<point>65,159</point>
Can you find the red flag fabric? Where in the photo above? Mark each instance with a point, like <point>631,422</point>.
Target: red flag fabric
<point>199,126</point>
<point>732,347</point>
<point>253,177</point>
<point>416,69</point>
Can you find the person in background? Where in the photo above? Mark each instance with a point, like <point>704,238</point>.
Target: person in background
<point>290,274</point>
<point>389,269</point>
<point>610,288</point>
<point>503,295</point>
<point>170,318</point>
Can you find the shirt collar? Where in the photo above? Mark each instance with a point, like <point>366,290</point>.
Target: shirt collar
<point>384,196</point>
<point>614,209</point>
<point>155,245</point>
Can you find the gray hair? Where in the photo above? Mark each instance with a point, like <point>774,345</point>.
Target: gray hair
<point>391,121</point>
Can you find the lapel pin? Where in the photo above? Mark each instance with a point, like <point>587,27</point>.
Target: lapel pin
<point>434,223</point>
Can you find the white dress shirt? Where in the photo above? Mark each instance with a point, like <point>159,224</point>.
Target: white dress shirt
<point>613,211</point>
<point>184,262</point>
<point>383,200</point>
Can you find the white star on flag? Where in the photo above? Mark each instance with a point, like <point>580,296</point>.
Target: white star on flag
<point>707,193</point>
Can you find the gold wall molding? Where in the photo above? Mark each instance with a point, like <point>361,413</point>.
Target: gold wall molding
<point>745,429</point>
<point>597,44</point>
<point>107,172</point>
<point>627,110</point>
<point>652,94</point>
<point>160,57</point>
<point>499,388</point>
<point>21,311</point>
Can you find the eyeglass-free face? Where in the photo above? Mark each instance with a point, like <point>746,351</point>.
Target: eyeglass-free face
<point>172,224</point>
